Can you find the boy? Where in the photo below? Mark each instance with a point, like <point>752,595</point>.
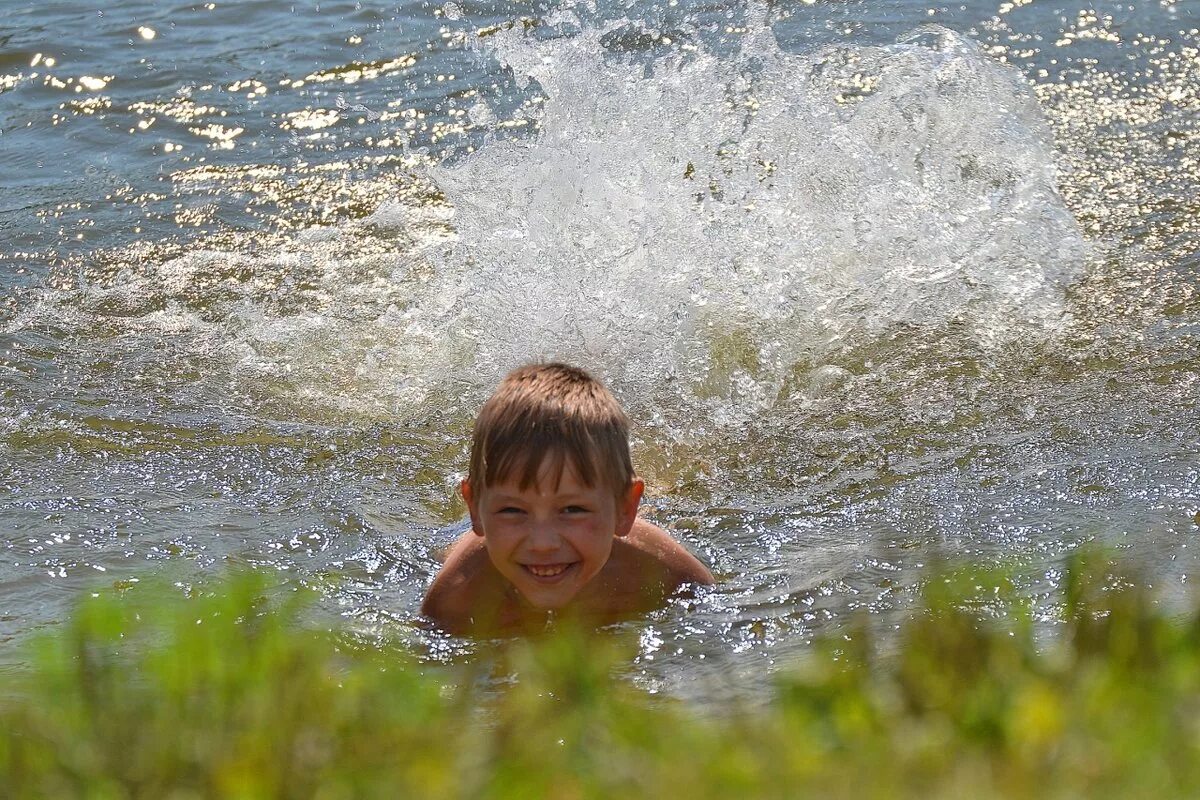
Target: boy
<point>554,528</point>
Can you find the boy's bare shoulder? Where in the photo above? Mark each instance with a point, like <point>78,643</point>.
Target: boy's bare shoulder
<point>678,566</point>
<point>465,579</point>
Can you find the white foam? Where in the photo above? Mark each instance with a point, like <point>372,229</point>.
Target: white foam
<point>695,228</point>
<point>772,205</point>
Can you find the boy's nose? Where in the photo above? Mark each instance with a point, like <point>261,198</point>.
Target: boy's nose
<point>543,539</point>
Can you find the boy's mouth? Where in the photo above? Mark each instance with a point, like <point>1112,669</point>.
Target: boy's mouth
<point>546,571</point>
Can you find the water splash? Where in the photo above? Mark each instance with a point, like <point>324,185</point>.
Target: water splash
<point>717,221</point>
<point>698,228</point>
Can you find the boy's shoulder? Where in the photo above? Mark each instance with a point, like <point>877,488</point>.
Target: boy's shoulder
<point>650,562</point>
<point>466,583</point>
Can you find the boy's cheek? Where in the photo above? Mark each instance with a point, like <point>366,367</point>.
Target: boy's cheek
<point>499,543</point>
<point>497,555</point>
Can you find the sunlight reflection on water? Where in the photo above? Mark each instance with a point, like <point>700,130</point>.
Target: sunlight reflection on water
<point>254,288</point>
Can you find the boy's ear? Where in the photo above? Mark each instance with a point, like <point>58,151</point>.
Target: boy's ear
<point>627,507</point>
<point>472,506</point>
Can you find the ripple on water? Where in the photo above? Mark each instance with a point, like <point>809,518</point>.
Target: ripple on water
<point>872,302</point>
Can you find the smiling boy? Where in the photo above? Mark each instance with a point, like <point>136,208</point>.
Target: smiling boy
<point>553,500</point>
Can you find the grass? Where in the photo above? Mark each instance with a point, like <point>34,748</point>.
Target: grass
<point>147,693</point>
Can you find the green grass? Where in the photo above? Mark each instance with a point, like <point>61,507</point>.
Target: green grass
<point>146,693</point>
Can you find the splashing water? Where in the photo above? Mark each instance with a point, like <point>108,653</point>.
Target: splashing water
<point>790,203</point>
<point>698,228</point>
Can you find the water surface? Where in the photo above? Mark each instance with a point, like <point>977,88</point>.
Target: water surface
<point>880,282</point>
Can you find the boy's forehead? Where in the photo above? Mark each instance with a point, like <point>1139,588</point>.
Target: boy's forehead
<point>554,469</point>
<point>555,472</point>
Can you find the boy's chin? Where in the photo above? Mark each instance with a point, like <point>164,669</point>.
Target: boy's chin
<point>547,593</point>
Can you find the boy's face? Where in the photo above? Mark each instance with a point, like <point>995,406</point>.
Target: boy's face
<point>550,539</point>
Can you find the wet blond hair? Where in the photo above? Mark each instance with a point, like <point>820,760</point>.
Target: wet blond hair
<point>546,416</point>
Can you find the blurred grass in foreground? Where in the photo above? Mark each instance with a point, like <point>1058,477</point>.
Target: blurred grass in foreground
<point>149,694</point>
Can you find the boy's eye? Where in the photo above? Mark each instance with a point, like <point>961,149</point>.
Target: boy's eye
<point>509,510</point>
<point>575,510</point>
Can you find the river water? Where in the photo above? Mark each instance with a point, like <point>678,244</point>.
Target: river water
<point>880,282</point>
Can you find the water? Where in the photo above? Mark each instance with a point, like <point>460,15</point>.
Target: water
<point>880,283</point>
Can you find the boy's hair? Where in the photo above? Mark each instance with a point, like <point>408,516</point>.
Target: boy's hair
<point>551,414</point>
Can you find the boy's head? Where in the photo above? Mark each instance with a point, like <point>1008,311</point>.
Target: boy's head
<point>551,484</point>
<point>543,418</point>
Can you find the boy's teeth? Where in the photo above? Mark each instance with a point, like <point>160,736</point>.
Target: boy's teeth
<point>546,571</point>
